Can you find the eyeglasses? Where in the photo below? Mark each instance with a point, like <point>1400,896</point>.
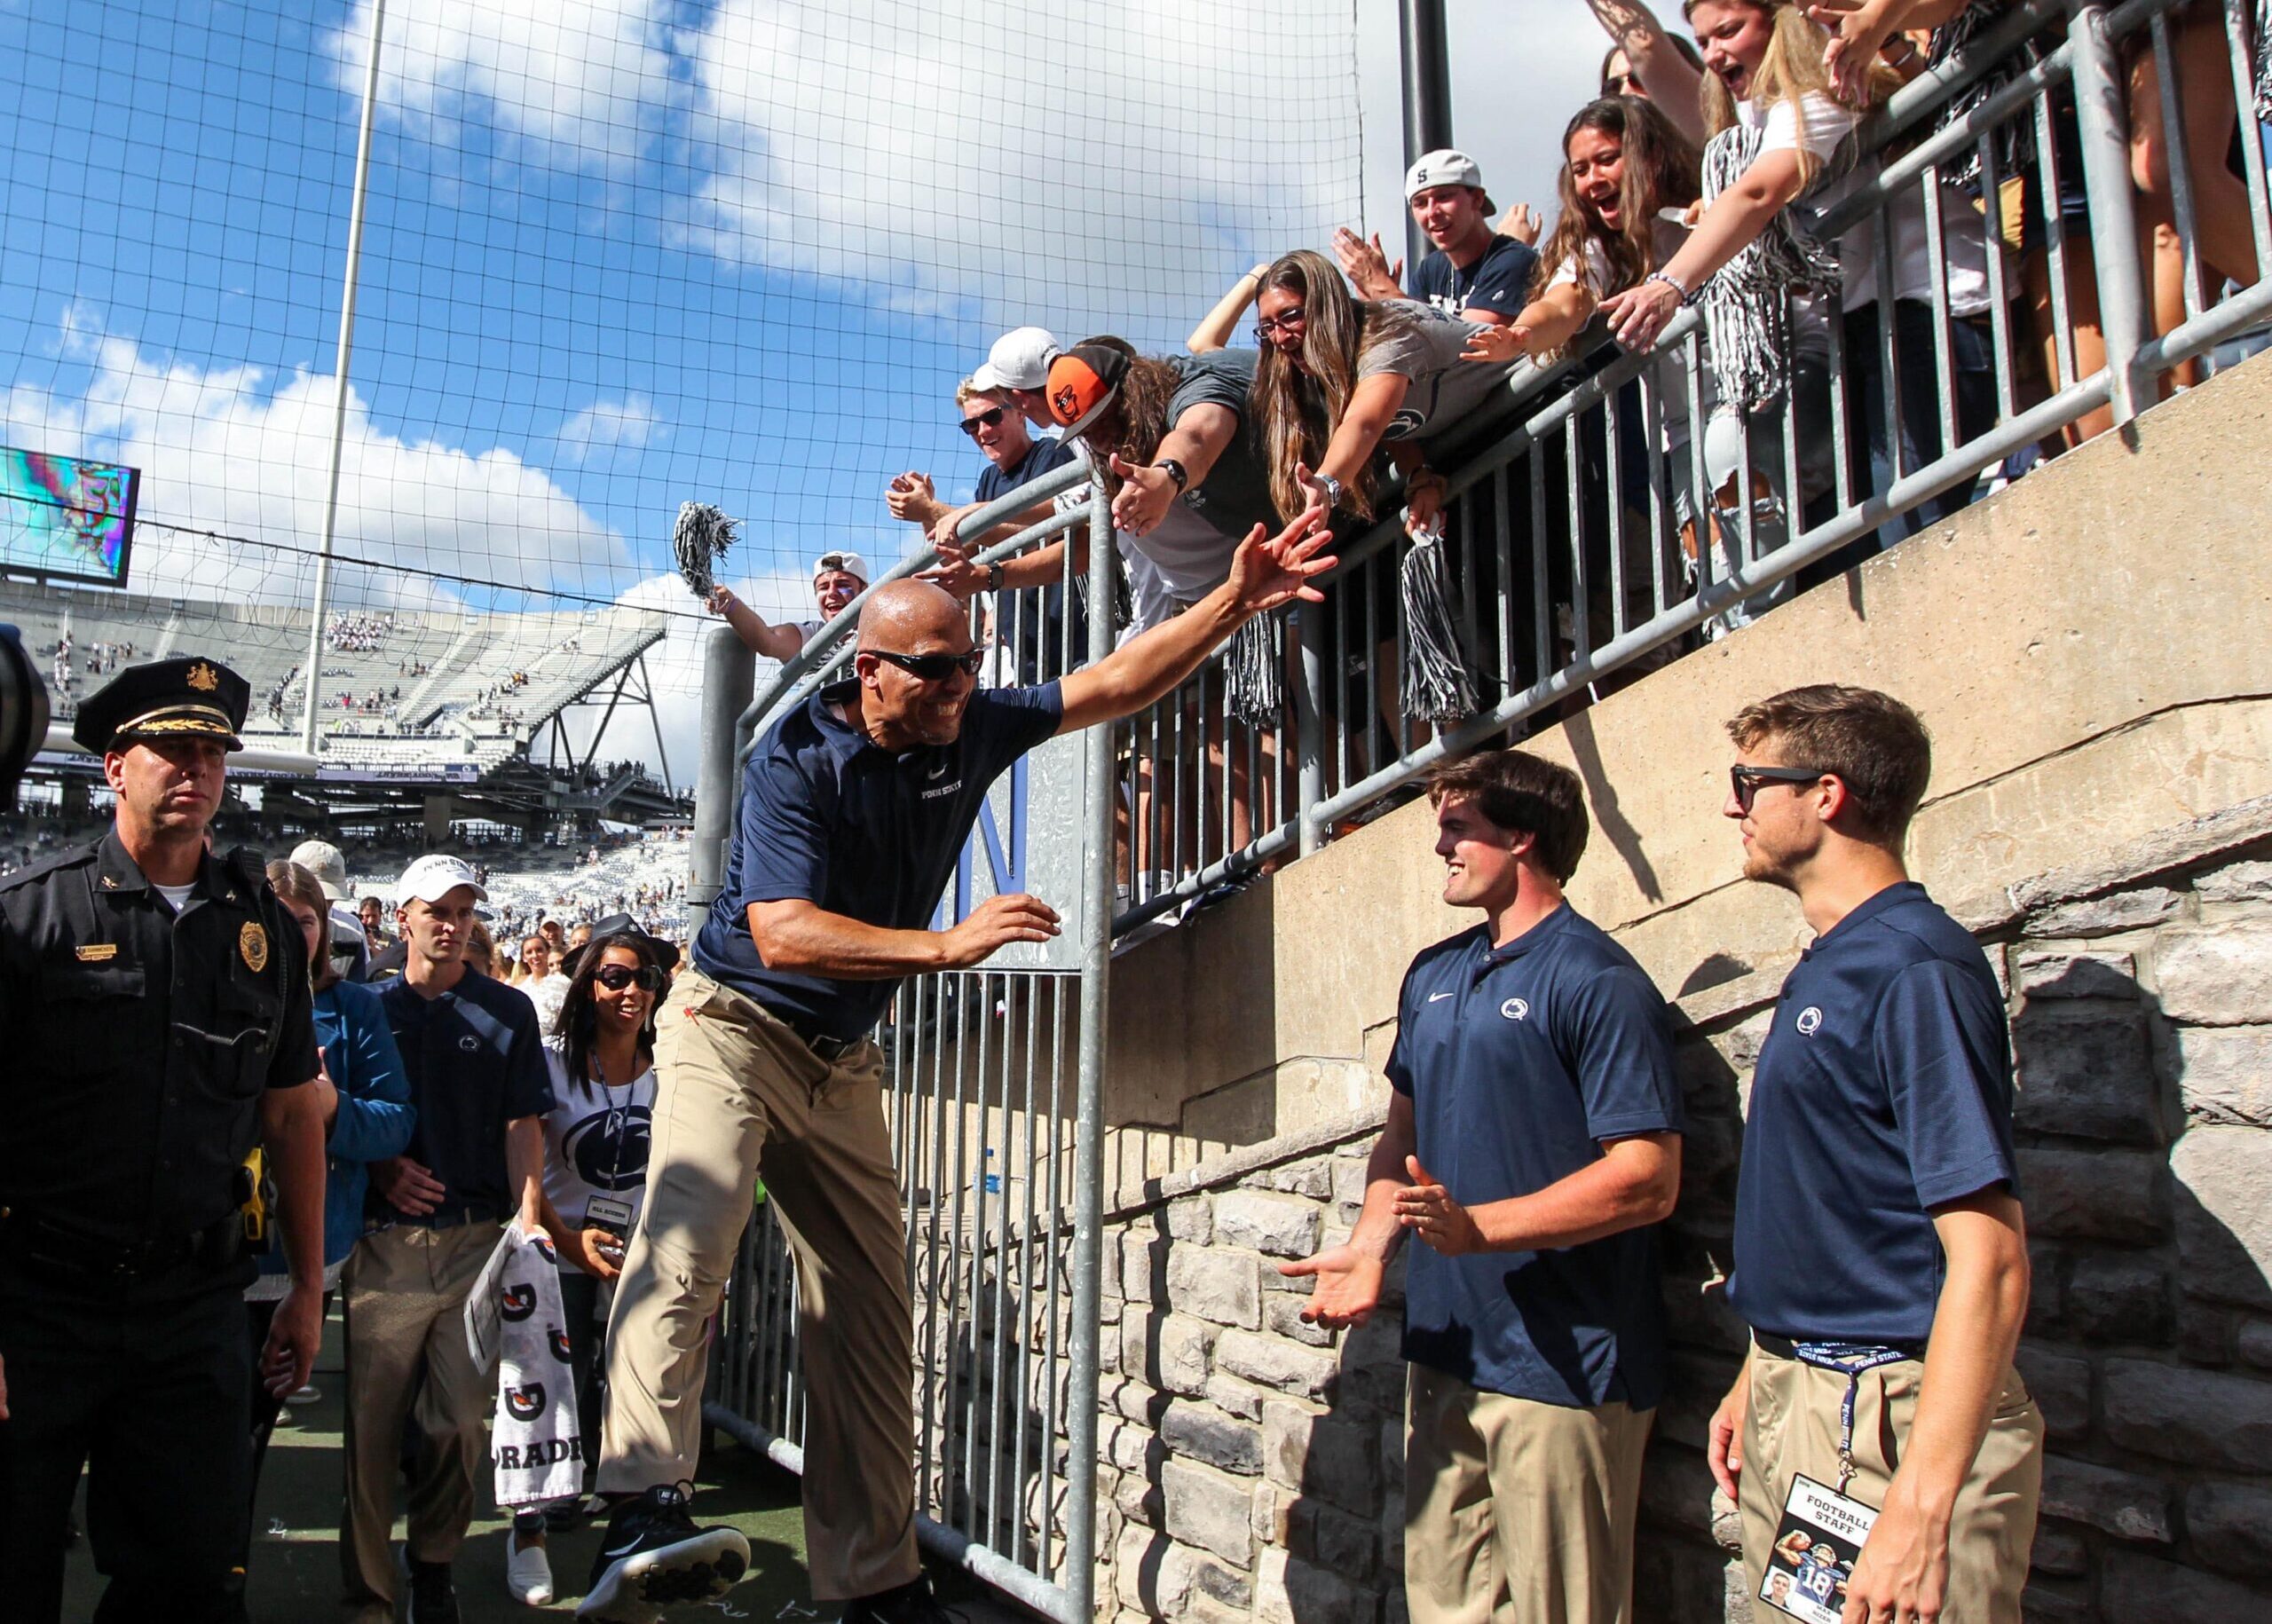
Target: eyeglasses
<point>1618,84</point>
<point>1746,781</point>
<point>991,418</point>
<point>615,978</point>
<point>1287,322</point>
<point>933,667</point>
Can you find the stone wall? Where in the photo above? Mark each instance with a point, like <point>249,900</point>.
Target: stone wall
<point>1251,1466</point>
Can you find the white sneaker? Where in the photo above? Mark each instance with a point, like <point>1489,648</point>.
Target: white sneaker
<point>528,1574</point>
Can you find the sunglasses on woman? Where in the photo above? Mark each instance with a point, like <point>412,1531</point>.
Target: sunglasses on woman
<point>933,667</point>
<point>991,418</point>
<point>615,978</point>
<point>1286,321</point>
<point>1746,781</point>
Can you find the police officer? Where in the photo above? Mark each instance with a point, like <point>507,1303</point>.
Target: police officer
<point>154,1009</point>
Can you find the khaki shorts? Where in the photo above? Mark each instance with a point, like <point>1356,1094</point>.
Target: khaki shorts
<point>1792,1427</point>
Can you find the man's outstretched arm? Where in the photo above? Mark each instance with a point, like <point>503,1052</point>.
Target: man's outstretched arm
<point>1265,572</point>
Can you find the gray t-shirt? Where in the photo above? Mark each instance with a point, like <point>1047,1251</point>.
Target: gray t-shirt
<point>1191,546</point>
<point>1236,495</point>
<point>1444,389</point>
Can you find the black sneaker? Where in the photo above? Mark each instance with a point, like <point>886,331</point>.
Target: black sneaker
<point>653,1556</point>
<point>911,1604</point>
<point>433,1599</point>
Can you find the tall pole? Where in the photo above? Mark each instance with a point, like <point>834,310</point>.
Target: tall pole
<point>339,380</point>
<point>728,676</point>
<point>1426,57</point>
<point>1088,1126</point>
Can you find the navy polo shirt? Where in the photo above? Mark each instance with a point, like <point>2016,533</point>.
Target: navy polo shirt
<point>1520,1059</point>
<point>1883,1090</point>
<point>1043,455</point>
<point>871,834</point>
<point>475,1062</point>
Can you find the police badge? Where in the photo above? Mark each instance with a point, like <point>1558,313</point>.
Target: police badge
<point>252,947</point>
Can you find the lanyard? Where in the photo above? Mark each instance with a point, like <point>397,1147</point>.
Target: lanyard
<point>1854,1360</point>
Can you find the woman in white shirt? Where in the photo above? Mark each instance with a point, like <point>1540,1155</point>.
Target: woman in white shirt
<point>1780,141</point>
<point>602,1066</point>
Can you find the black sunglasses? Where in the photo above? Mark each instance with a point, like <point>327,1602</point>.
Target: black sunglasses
<point>933,667</point>
<point>1745,781</point>
<point>991,418</point>
<point>615,978</point>
<point>1284,321</point>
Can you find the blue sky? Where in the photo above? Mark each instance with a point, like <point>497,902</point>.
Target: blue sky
<point>621,253</point>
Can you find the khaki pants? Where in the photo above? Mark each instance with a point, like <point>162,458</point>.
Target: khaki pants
<point>739,1095</point>
<point>1514,1512</point>
<point>1792,1427</point>
<point>405,1291</point>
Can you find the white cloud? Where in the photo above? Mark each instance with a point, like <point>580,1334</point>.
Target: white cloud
<point>1098,166</point>
<point>604,425</point>
<point>589,77</point>
<point>228,450</point>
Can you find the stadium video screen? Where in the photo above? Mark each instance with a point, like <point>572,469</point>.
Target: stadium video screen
<point>65,519</point>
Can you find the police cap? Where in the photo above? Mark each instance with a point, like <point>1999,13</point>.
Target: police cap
<point>190,698</point>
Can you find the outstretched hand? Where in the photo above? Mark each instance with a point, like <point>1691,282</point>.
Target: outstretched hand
<point>1348,1286</point>
<point>955,570</point>
<point>1146,494</point>
<point>1496,343</point>
<point>1523,224</point>
<point>1366,265</point>
<point>1268,570</point>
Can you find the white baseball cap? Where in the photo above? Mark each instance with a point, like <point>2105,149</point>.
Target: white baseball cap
<point>1019,360</point>
<point>1445,167</point>
<point>323,859</point>
<point>851,564</point>
<point>434,876</point>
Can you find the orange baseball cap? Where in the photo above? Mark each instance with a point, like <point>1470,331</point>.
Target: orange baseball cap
<point>1083,382</point>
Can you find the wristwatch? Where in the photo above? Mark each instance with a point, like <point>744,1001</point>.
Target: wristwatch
<point>1174,470</point>
<point>1332,488</point>
<point>994,573</point>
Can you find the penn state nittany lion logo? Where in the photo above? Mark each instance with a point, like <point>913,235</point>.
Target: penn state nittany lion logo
<point>560,1350</point>
<point>609,1149</point>
<point>525,1403</point>
<point>518,1302</point>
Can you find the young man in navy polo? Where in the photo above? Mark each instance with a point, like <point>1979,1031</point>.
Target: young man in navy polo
<point>1533,1142</point>
<point>853,810</point>
<point>1880,1255</point>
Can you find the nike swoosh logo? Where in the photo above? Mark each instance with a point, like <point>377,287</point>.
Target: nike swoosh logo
<point>940,771</point>
<point>1433,996</point>
<point>620,1550</point>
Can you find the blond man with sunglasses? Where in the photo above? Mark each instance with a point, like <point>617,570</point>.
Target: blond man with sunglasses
<point>853,810</point>
<point>838,578</point>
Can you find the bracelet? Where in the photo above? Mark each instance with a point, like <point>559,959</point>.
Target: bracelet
<point>1687,296</point>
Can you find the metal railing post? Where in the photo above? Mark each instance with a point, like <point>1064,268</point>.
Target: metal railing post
<point>729,673</point>
<point>1088,1111</point>
<point>2102,125</point>
<point>1309,724</point>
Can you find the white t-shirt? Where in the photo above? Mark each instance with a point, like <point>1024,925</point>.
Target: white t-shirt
<point>596,1139</point>
<point>1667,238</point>
<point>548,993</point>
<point>177,896</point>
<point>1816,124</point>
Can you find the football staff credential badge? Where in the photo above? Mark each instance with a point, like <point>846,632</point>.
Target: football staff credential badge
<point>252,947</point>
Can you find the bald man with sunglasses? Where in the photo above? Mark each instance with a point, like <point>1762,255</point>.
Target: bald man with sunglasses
<point>854,809</point>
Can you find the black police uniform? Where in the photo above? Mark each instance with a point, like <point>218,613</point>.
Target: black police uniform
<point>138,1043</point>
